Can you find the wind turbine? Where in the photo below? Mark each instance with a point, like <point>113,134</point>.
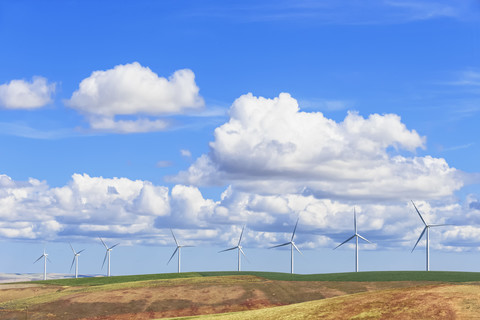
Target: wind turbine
<point>292,245</point>
<point>107,253</point>
<point>356,236</point>
<point>427,228</point>
<point>176,249</point>
<point>75,260</point>
<point>45,257</point>
<point>239,247</point>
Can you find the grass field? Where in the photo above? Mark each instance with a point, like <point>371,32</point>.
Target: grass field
<point>443,276</point>
<point>369,295</point>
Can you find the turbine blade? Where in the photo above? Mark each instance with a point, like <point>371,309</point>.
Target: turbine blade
<point>419,214</point>
<point>363,238</point>
<point>176,249</point>
<point>114,246</point>
<point>345,241</point>
<point>241,234</point>
<point>174,237</point>
<point>280,245</point>
<point>80,251</point>
<point>72,248</point>
<point>39,258</point>
<point>440,225</point>
<point>295,229</point>
<point>355,220</point>
<point>73,261</point>
<point>293,244</point>
<point>104,259</point>
<point>421,235</point>
<point>48,259</point>
<point>186,246</point>
<point>103,243</point>
<point>244,255</point>
<point>228,249</point>
<point>242,252</point>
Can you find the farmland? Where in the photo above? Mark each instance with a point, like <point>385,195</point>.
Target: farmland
<point>255,294</point>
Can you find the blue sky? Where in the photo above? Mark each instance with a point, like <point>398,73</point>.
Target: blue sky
<point>126,119</point>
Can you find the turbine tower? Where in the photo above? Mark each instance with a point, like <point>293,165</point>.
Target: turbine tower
<point>292,245</point>
<point>75,260</point>
<point>427,229</point>
<point>356,235</point>
<point>176,249</point>
<point>107,253</point>
<point>45,257</point>
<point>239,247</point>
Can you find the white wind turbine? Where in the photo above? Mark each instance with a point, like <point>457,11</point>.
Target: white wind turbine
<point>178,248</point>
<point>75,260</point>
<point>239,247</point>
<point>45,257</point>
<point>107,253</point>
<point>292,245</point>
<point>427,228</point>
<point>356,236</point>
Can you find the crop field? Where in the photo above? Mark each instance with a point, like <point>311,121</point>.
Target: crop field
<point>256,295</point>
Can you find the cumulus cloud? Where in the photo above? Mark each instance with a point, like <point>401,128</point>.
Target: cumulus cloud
<point>279,164</point>
<point>21,94</point>
<point>270,146</point>
<point>140,211</point>
<point>133,90</point>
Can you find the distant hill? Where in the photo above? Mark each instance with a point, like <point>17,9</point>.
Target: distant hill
<point>24,277</point>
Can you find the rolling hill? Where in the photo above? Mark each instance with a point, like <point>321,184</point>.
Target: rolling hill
<point>369,295</point>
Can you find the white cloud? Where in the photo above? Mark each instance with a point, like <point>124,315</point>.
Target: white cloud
<point>126,126</point>
<point>268,146</point>
<point>134,90</point>
<point>143,212</point>
<point>185,153</point>
<point>280,164</point>
<point>20,94</point>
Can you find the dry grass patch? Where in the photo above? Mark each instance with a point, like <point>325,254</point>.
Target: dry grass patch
<point>426,302</point>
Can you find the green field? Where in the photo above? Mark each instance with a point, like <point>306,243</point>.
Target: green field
<point>372,276</point>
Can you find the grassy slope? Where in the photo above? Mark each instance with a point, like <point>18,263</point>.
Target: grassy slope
<point>197,290</point>
<point>436,301</point>
<point>443,276</point>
